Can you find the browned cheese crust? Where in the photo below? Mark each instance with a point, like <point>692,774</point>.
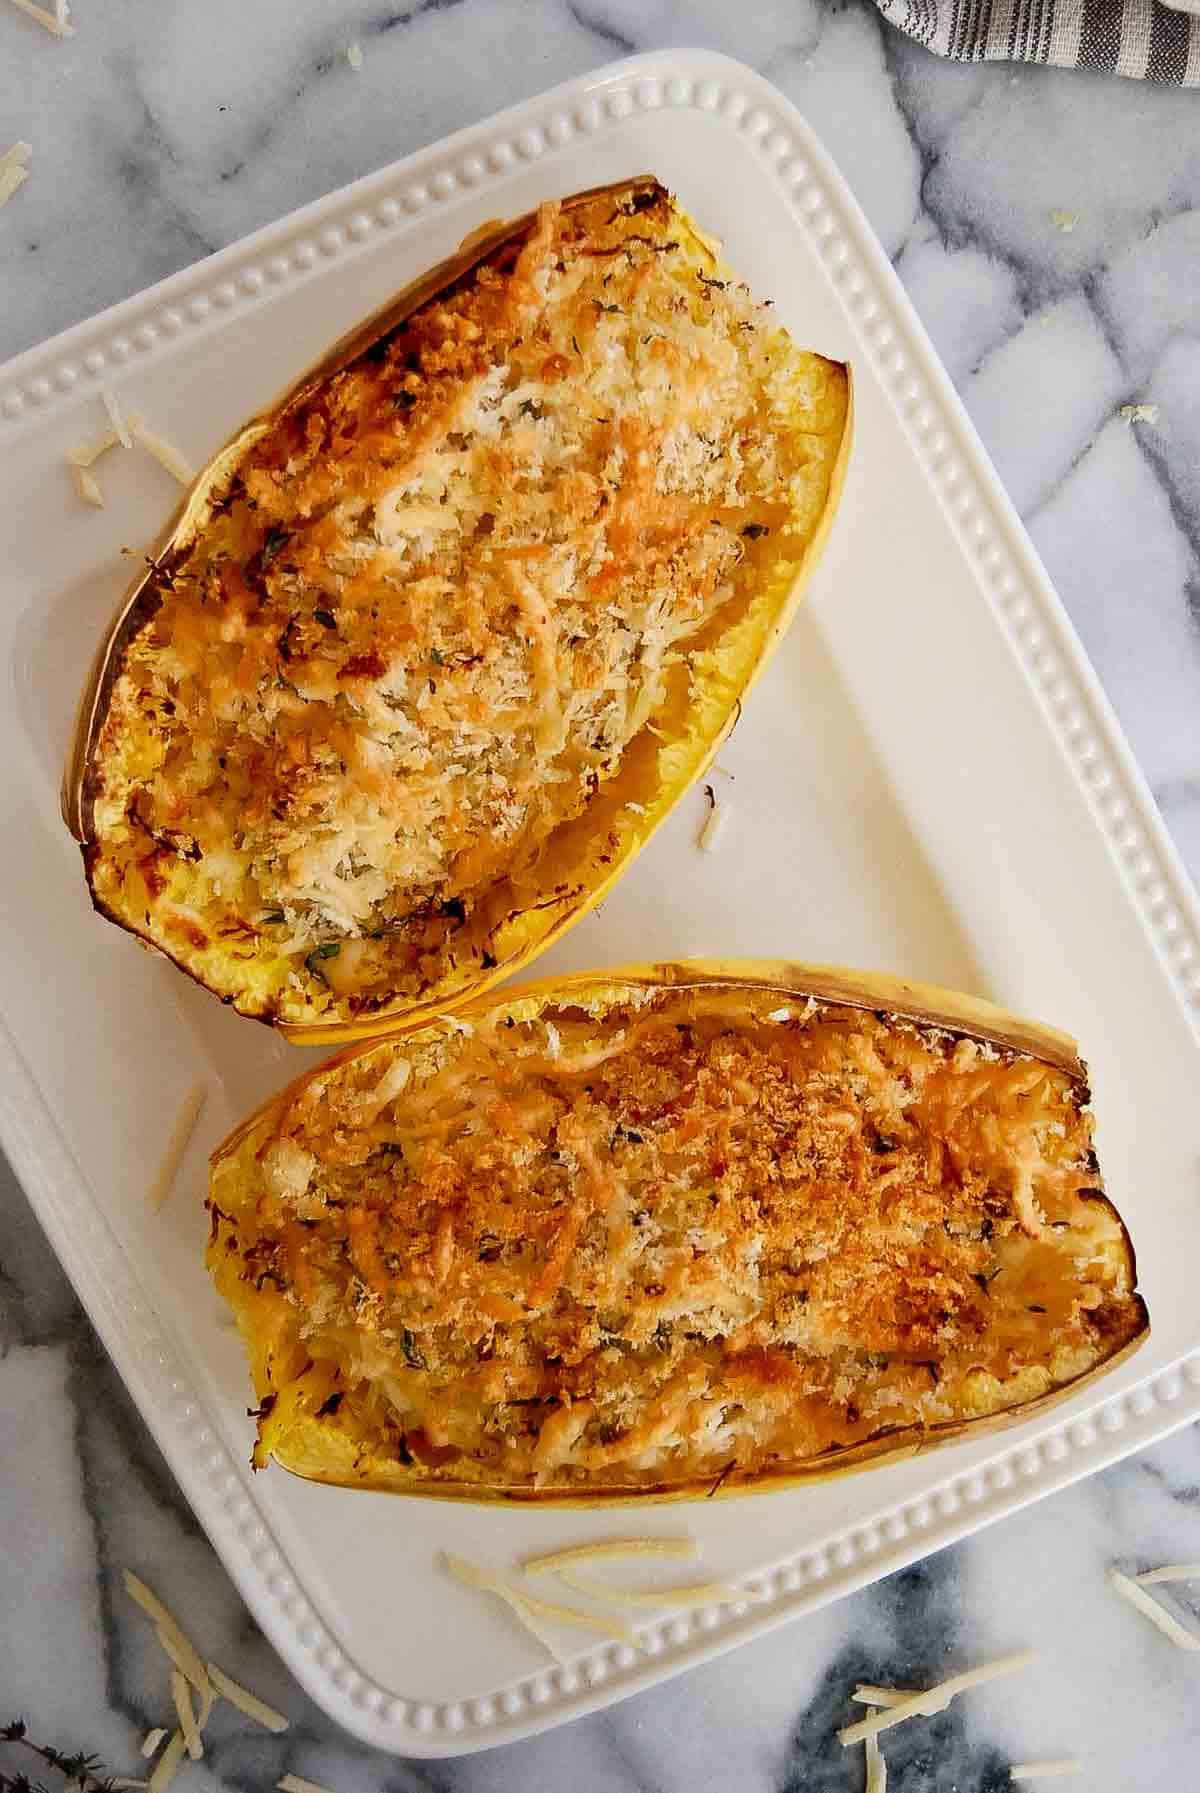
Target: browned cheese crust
<point>436,605</point>
<point>637,1244</point>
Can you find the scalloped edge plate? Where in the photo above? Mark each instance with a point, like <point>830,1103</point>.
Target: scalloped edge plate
<point>1006,764</point>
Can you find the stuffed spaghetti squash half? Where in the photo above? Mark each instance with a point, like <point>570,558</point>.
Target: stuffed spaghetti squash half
<point>647,1233</point>
<point>436,645</point>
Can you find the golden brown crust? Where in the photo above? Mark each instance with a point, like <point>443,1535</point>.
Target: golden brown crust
<point>638,1232</point>
<point>375,727</point>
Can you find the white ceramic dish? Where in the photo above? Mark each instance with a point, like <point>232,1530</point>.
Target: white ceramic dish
<point>927,780</point>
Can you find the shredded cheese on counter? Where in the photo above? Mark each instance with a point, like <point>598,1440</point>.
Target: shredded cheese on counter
<point>184,1656</point>
<point>245,1701</point>
<point>866,1695</point>
<point>1158,1615</point>
<point>14,170</point>
<point>1170,1572</point>
<point>926,1705</point>
<point>56,22</point>
<point>181,1694</point>
<point>170,1632</point>
<point>876,1767</point>
<point>168,1763</point>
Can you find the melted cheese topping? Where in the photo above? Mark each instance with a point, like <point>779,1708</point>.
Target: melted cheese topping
<point>688,1241</point>
<point>438,602</point>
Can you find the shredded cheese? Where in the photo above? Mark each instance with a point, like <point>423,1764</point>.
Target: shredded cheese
<point>1064,221</point>
<point>88,486</point>
<point>716,822</point>
<point>14,170</point>
<point>85,453</point>
<point>168,1763</point>
<point>52,22</point>
<point>1035,1771</point>
<point>867,1695</point>
<point>554,1561</point>
<point>152,1739</point>
<point>159,449</point>
<point>525,1605</point>
<point>296,1783</point>
<point>928,1704</point>
<point>1158,1615</point>
<point>1170,1572</point>
<point>688,1594</point>
<point>876,1767</point>
<point>115,416</point>
<point>1138,414</point>
<point>245,1701</point>
<point>170,1632</point>
<point>181,1694</point>
<point>354,56</point>
<point>185,1657</point>
<point>177,1144</point>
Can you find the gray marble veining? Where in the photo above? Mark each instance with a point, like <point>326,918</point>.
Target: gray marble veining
<point>1047,226</point>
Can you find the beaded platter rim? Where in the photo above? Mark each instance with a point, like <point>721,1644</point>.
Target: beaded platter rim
<point>246,275</point>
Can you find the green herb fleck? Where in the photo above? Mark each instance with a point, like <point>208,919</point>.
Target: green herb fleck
<point>326,618</point>
<point>319,953</point>
<point>277,539</point>
<point>754,532</point>
<point>412,1351</point>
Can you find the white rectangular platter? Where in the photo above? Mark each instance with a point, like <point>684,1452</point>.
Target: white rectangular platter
<point>928,780</point>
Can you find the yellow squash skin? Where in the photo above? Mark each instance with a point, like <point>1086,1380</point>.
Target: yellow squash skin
<point>149,888</point>
<point>308,1419</point>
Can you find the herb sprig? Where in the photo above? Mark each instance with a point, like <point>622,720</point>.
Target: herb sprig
<point>77,1768</point>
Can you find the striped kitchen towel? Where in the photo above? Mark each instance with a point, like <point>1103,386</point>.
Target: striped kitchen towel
<point>1138,38</point>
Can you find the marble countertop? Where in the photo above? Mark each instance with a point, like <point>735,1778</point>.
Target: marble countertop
<point>1047,226</point>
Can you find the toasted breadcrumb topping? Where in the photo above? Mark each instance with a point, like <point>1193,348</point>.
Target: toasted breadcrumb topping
<point>437,602</point>
<point>554,1253</point>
